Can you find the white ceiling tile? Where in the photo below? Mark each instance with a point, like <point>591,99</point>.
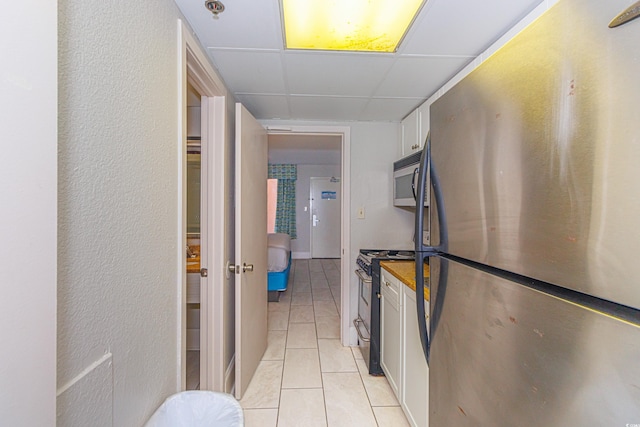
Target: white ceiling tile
<point>463,27</point>
<point>264,107</point>
<point>419,77</point>
<point>326,108</point>
<point>253,72</point>
<point>246,45</point>
<point>389,109</point>
<point>244,23</point>
<point>346,74</point>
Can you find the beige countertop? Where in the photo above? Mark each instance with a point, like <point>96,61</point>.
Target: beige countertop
<point>405,271</point>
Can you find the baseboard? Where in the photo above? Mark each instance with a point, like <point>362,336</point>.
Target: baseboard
<point>230,376</point>
<point>301,255</point>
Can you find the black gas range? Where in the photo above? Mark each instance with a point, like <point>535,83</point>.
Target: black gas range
<point>368,321</point>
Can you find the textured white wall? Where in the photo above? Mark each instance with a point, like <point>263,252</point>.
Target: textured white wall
<point>118,210</point>
<point>28,188</point>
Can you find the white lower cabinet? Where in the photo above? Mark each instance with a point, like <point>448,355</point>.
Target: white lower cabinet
<point>415,373</point>
<point>401,355</point>
<point>391,332</point>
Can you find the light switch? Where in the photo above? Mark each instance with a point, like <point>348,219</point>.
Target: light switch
<point>361,212</point>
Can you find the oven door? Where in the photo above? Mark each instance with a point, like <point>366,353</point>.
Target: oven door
<point>362,323</point>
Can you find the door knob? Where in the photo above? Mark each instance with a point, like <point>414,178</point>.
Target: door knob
<point>246,267</point>
<point>233,268</point>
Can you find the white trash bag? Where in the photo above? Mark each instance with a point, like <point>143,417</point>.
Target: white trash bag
<point>198,409</point>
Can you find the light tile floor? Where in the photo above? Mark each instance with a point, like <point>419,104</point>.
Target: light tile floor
<point>306,377</point>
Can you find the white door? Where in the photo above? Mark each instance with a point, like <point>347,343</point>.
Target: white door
<point>251,246</point>
<point>325,217</point>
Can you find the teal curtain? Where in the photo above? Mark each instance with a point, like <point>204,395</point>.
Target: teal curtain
<point>286,204</point>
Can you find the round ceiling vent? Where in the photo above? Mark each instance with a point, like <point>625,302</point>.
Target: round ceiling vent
<point>214,6</point>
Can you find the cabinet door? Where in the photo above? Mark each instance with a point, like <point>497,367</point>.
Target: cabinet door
<point>410,134</point>
<point>423,123</point>
<point>415,372</point>
<point>390,333</point>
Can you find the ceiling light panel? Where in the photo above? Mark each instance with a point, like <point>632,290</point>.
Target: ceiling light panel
<point>351,25</point>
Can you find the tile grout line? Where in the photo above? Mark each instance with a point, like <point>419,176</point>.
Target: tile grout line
<point>324,396</point>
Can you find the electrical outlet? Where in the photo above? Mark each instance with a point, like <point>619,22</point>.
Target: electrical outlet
<point>361,212</point>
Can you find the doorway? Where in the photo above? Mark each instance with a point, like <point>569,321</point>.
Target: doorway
<point>294,145</point>
<point>199,303</point>
<point>194,211</point>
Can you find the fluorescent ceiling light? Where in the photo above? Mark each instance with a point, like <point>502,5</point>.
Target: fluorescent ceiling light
<point>354,25</point>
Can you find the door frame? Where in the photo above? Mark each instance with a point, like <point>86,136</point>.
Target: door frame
<point>194,67</point>
<point>347,333</point>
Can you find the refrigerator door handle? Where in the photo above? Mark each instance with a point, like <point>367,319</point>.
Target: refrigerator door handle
<point>427,165</point>
<point>422,251</point>
<point>422,321</point>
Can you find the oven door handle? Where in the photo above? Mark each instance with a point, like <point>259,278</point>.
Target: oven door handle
<point>356,323</point>
<point>363,276</point>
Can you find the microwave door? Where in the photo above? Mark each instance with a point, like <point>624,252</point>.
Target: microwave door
<point>404,193</point>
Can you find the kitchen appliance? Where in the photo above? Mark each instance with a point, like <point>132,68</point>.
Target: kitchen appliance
<point>405,175</point>
<point>367,323</point>
<point>535,225</point>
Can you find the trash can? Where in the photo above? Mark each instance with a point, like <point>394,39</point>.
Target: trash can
<point>198,409</point>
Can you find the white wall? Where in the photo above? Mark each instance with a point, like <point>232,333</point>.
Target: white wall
<point>28,187</point>
<point>301,246</point>
<point>118,211</point>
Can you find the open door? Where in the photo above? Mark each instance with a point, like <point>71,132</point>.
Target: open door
<point>251,246</point>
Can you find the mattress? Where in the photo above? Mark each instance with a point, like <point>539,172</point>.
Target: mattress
<point>278,250</point>
<point>279,240</point>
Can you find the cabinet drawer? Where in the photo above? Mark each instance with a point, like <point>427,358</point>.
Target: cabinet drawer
<point>390,288</point>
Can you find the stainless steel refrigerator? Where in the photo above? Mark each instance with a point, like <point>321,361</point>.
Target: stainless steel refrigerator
<point>535,228</point>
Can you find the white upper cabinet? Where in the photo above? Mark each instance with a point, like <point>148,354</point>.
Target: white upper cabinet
<point>414,130</point>
<point>410,132</point>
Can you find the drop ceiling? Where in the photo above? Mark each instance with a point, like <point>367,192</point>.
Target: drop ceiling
<point>245,44</point>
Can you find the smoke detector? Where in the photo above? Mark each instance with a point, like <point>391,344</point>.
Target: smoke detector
<point>214,6</point>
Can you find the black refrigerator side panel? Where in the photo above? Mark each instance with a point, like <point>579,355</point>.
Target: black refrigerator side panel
<point>506,355</point>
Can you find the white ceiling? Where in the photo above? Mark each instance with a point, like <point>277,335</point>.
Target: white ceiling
<point>246,45</point>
